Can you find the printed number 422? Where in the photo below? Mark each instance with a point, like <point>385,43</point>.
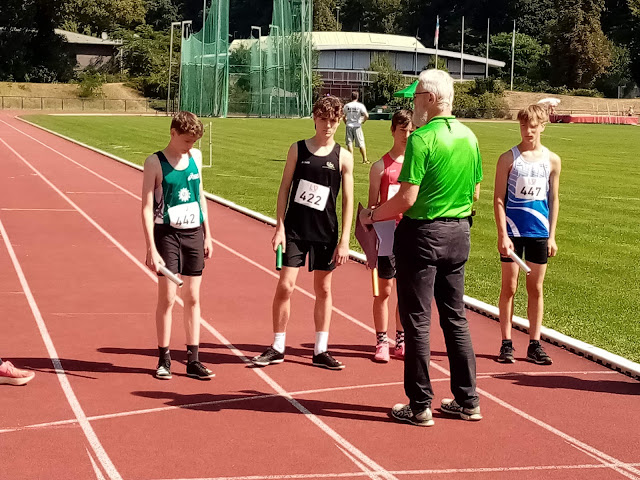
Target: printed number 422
<point>308,197</point>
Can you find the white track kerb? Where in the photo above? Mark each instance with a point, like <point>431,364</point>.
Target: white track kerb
<point>591,352</point>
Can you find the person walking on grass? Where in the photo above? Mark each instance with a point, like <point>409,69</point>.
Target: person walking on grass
<point>10,375</point>
<point>439,181</point>
<point>526,206</point>
<point>355,114</point>
<point>383,185</point>
<point>307,224</point>
<point>177,235</point>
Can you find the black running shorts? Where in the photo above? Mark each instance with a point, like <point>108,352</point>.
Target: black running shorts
<point>181,250</point>
<point>320,254</point>
<point>532,250</point>
<point>387,267</point>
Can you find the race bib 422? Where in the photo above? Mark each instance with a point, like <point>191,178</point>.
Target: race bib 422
<point>312,195</point>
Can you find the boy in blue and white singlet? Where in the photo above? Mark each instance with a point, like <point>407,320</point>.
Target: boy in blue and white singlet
<point>526,211</point>
<point>177,234</point>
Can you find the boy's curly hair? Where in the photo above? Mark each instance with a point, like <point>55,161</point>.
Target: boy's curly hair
<point>328,107</point>
<point>187,123</point>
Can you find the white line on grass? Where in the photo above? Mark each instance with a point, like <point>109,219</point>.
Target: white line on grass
<point>310,416</point>
<point>92,438</point>
<point>605,458</point>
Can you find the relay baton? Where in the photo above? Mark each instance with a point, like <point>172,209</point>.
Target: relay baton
<point>170,275</point>
<point>279,257</point>
<point>374,282</point>
<point>519,261</point>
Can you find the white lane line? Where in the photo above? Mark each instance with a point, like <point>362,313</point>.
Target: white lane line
<point>38,209</point>
<point>447,471</point>
<point>604,457</point>
<point>614,467</point>
<point>93,193</point>
<point>55,359</point>
<point>369,473</point>
<point>96,469</point>
<point>479,376</point>
<point>203,404</point>
<point>313,418</point>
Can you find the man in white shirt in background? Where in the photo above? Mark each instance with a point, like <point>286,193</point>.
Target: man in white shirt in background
<point>355,114</point>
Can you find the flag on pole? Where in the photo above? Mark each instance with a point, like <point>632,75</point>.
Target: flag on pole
<point>437,35</point>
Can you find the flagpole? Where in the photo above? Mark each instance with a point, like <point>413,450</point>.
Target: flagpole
<point>462,52</point>
<point>486,72</point>
<point>513,51</point>
<point>437,37</point>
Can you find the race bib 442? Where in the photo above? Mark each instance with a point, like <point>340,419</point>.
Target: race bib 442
<point>186,215</point>
<point>312,195</point>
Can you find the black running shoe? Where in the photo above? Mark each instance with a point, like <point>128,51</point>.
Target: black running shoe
<point>536,354</point>
<point>270,355</point>
<point>325,360</point>
<point>163,371</point>
<point>506,353</point>
<point>198,370</point>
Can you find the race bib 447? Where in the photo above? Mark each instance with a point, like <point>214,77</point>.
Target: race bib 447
<point>312,195</point>
<point>531,188</point>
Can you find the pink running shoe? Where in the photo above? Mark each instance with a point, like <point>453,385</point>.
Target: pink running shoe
<point>382,353</point>
<point>398,352</point>
<point>11,375</point>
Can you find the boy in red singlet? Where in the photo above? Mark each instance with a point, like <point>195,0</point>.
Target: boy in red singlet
<point>383,184</point>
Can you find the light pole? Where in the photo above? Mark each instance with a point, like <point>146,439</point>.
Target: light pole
<point>170,63</point>
<point>259,29</point>
<point>416,59</point>
<point>185,29</point>
<point>337,18</point>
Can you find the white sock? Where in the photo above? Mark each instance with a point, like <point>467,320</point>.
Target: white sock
<point>322,339</point>
<point>279,341</point>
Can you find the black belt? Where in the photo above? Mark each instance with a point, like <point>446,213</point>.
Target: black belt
<point>447,219</point>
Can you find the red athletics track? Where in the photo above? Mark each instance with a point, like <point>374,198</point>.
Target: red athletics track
<point>73,288</point>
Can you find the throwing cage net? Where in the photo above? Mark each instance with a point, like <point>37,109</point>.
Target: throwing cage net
<point>271,75</point>
<point>204,82</point>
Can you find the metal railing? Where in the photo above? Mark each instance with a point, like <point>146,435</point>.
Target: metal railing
<point>128,105</point>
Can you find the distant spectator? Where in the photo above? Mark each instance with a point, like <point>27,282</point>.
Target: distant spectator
<point>355,114</point>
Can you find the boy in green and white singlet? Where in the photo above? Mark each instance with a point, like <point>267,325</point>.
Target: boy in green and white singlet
<point>177,234</point>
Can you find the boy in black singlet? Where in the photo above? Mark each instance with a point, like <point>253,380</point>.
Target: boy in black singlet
<point>308,224</point>
<point>176,230</point>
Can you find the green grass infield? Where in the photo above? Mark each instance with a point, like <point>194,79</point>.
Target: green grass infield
<point>592,288</point>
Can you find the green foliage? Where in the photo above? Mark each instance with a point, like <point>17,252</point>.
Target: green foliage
<point>324,16</point>
<point>580,51</point>
<point>90,83</point>
<point>145,59</point>
<point>532,62</point>
<point>97,16</point>
<point>160,13</point>
<point>388,81</point>
<point>480,99</point>
<point>30,50</point>
<point>484,85</point>
<point>442,64</point>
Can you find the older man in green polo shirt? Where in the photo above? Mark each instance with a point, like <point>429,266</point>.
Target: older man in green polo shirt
<point>439,183</point>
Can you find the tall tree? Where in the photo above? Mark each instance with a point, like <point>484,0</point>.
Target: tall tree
<point>160,13</point>
<point>29,48</point>
<point>580,52</point>
<point>96,16</point>
<point>324,15</point>
<point>634,42</point>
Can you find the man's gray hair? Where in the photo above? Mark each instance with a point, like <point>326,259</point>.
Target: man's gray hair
<point>439,83</point>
